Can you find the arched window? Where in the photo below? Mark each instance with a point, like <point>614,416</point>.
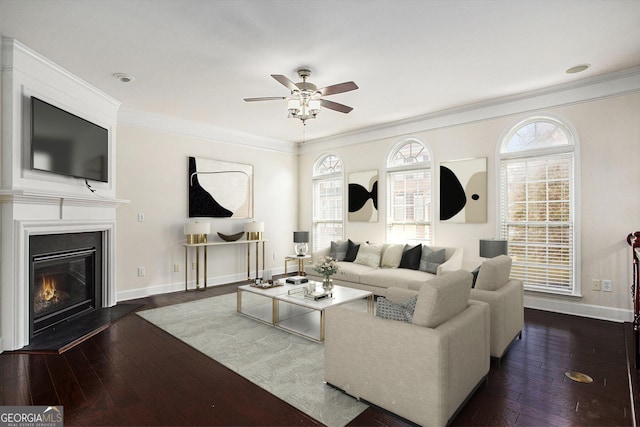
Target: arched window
<point>537,204</point>
<point>328,196</point>
<point>409,193</point>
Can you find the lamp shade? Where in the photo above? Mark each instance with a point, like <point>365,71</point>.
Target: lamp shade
<point>197,228</point>
<point>301,237</point>
<point>254,227</point>
<point>490,248</point>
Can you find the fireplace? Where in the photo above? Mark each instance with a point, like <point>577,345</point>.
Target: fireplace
<point>65,278</point>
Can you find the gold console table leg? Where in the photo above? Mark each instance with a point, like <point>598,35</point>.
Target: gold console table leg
<point>186,269</point>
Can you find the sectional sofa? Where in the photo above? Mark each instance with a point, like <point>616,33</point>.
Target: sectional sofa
<point>376,267</point>
<point>423,369</point>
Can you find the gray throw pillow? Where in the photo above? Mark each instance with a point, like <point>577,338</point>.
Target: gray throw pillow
<point>338,250</point>
<point>402,312</point>
<point>430,259</point>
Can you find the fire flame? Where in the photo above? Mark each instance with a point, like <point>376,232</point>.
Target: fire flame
<point>48,288</point>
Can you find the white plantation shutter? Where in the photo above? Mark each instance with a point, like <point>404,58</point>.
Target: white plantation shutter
<point>328,208</point>
<point>537,217</point>
<point>409,189</point>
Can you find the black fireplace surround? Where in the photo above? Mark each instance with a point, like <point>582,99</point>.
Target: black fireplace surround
<point>65,278</point>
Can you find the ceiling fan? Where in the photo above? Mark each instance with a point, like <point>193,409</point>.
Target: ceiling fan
<point>306,99</point>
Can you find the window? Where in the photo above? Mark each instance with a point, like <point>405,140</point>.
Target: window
<point>537,204</point>
<point>328,211</point>
<point>409,178</point>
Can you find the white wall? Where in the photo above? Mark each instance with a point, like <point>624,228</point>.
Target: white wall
<point>609,143</point>
<point>152,173</point>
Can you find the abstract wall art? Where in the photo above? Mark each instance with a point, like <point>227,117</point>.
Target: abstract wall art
<point>220,189</point>
<point>463,191</point>
<point>363,196</point>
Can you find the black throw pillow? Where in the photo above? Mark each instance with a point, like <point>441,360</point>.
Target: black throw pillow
<point>475,277</point>
<point>352,251</point>
<point>411,257</point>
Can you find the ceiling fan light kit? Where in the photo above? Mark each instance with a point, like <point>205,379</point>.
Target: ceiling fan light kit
<point>306,99</point>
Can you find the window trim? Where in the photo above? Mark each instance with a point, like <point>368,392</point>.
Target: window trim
<point>327,176</point>
<point>574,148</point>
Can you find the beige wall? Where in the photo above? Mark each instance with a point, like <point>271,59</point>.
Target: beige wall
<point>152,174</point>
<point>609,150</point>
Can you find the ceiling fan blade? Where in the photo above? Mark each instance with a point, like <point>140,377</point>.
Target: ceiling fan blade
<point>284,80</point>
<point>339,88</point>
<point>265,98</point>
<point>335,106</point>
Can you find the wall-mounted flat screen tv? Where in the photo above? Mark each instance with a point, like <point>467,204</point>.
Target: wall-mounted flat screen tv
<point>65,144</point>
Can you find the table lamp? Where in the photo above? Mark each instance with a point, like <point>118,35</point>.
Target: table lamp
<point>301,238</point>
<point>490,248</point>
<point>254,230</point>
<point>196,232</point>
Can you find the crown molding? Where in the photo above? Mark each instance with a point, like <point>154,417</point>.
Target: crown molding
<point>589,89</point>
<point>16,56</point>
<point>161,123</point>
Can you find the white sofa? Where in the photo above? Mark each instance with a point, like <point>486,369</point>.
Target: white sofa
<point>423,371</point>
<point>377,278</point>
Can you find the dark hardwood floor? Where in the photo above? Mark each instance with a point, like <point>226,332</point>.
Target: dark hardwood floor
<point>136,374</point>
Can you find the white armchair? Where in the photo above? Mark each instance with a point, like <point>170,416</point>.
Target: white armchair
<point>505,297</point>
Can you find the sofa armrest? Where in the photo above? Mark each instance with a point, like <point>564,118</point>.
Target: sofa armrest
<point>420,373</point>
<point>398,295</point>
<point>315,256</point>
<point>453,263</point>
<point>507,313</point>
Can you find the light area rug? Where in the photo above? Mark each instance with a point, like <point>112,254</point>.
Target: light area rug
<point>284,364</point>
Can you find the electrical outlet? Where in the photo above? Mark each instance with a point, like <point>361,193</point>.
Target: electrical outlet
<point>176,268</point>
<point>141,271</point>
<point>596,285</point>
<point>140,217</point>
<point>607,286</point>
<point>193,265</point>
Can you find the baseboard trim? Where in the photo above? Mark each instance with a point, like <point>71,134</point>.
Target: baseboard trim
<point>179,286</point>
<point>577,309</point>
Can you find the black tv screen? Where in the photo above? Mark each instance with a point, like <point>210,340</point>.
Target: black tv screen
<point>66,144</point>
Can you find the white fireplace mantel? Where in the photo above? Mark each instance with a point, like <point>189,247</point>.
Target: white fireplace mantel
<point>47,197</point>
<point>34,202</point>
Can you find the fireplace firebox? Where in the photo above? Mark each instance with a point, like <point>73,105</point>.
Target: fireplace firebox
<point>65,278</point>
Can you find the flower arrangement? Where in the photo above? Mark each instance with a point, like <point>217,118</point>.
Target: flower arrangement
<point>327,266</point>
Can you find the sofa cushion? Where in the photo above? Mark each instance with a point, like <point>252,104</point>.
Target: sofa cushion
<point>338,250</point>
<point>403,312</point>
<point>352,251</point>
<point>442,298</point>
<point>411,257</point>
<point>391,255</point>
<point>369,255</point>
<point>431,259</point>
<point>394,277</point>
<point>494,273</point>
<point>351,272</point>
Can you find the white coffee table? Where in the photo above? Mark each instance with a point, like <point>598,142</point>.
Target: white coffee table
<point>295,313</point>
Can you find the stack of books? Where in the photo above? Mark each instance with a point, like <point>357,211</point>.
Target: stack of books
<point>297,280</point>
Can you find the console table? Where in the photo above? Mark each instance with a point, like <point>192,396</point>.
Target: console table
<point>204,247</point>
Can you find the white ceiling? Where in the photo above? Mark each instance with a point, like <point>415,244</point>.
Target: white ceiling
<point>198,59</point>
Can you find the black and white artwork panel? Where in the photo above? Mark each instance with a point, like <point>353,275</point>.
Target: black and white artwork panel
<point>219,189</point>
